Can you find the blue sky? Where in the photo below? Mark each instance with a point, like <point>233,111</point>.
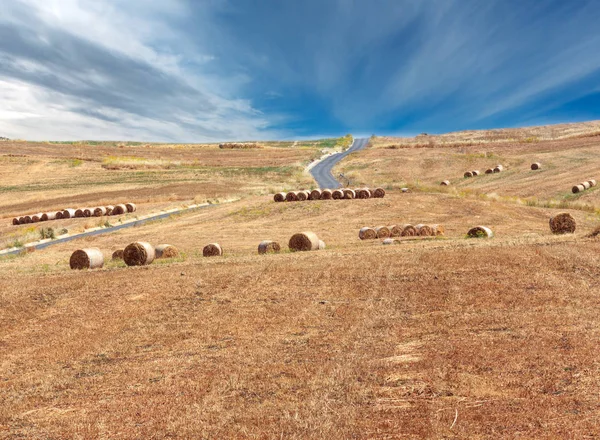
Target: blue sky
<point>211,70</point>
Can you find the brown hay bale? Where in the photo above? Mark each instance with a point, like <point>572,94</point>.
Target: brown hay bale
<point>592,182</point>
<point>445,183</point>
<point>99,211</point>
<point>367,233</point>
<point>379,193</point>
<point>337,194</point>
<point>563,223</point>
<point>475,173</point>
<point>438,230</point>
<point>302,196</point>
<point>35,218</point>
<point>268,247</point>
<point>131,207</point>
<point>424,230</point>
<point>58,215</point>
<point>349,194</point>
<point>89,258</point>
<point>326,194</point>
<point>468,174</point>
<point>166,251</point>
<point>382,231</point>
<point>117,255</point>
<point>87,212</point>
<point>69,213</point>
<point>291,197</point>
<point>315,194</point>
<point>48,216</point>
<point>79,213</point>
<point>119,209</point>
<point>304,241</point>
<point>408,231</point>
<point>586,185</point>
<point>139,253</point>
<point>364,193</point>
<point>279,197</point>
<point>480,232</point>
<point>109,209</point>
<point>322,245</point>
<point>15,221</point>
<point>578,188</point>
<point>536,166</point>
<point>21,220</point>
<point>27,219</point>
<point>212,250</point>
<point>489,171</point>
<point>498,168</point>
<point>594,233</point>
<point>395,231</point>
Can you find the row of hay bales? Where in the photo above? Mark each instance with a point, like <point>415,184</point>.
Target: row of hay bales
<point>420,230</point>
<point>580,187</point>
<point>97,211</point>
<point>497,169</point>
<point>141,253</point>
<point>329,194</point>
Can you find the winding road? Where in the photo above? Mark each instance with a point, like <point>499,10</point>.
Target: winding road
<point>322,171</point>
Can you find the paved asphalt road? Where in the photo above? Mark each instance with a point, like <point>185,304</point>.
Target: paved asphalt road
<point>322,171</point>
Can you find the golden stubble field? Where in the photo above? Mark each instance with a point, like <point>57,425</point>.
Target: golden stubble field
<point>445,338</point>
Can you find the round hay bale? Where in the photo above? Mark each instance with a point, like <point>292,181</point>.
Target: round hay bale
<point>315,194</point>
<point>367,233</point>
<point>349,194</point>
<point>79,213</point>
<point>395,231</point>
<point>326,194</point>
<point>166,251</point>
<point>139,253</point>
<point>438,230</point>
<point>89,258</point>
<point>389,241</point>
<point>302,196</point>
<point>382,231</point>
<point>99,211</point>
<point>21,220</point>
<point>119,209</point>
<point>408,231</point>
<point>48,216</point>
<point>291,197</point>
<point>424,230</point>
<point>498,168</point>
<point>322,245</point>
<point>130,207</point>
<point>337,194</point>
<point>480,232</point>
<point>586,185</point>
<point>304,241</point>
<point>35,218</point>
<point>27,219</point>
<point>279,197</point>
<point>364,193</point>
<point>15,221</point>
<point>563,223</point>
<point>468,174</point>
<point>87,212</point>
<point>212,250</point>
<point>536,166</point>
<point>445,183</point>
<point>489,171</point>
<point>475,173</point>
<point>109,209</point>
<point>117,255</point>
<point>58,215</point>
<point>268,247</point>
<point>69,213</point>
<point>578,188</point>
<point>379,193</point>
<point>592,182</point>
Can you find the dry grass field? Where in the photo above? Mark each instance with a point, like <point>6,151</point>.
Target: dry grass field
<point>439,338</point>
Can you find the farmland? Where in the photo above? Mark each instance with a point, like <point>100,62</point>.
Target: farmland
<point>447,337</point>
